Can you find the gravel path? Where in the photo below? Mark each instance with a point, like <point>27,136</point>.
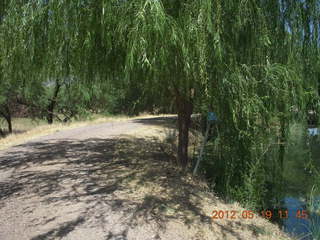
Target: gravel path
<point>54,187</point>
<point>104,182</point>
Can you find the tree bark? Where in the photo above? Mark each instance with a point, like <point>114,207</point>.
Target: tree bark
<point>9,121</point>
<point>282,147</point>
<point>6,114</point>
<point>52,103</point>
<point>185,109</point>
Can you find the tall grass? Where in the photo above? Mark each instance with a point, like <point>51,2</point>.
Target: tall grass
<point>314,210</point>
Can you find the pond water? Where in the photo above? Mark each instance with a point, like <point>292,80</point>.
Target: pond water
<point>313,131</point>
<point>296,225</point>
<point>298,181</point>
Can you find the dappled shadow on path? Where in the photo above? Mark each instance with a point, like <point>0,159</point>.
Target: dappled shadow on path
<point>123,180</point>
<point>61,231</point>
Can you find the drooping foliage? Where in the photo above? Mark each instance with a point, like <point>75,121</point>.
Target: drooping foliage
<point>253,62</point>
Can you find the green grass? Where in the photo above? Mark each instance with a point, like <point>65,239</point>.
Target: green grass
<point>314,209</point>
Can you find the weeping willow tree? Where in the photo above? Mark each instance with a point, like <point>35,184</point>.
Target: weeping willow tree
<point>10,51</point>
<point>260,91</point>
<point>167,50</point>
<point>41,57</point>
<point>159,45</point>
<point>248,60</point>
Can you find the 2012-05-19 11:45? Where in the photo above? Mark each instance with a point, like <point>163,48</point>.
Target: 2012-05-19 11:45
<point>250,214</point>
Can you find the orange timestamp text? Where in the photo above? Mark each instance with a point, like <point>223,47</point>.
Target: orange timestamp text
<point>250,214</point>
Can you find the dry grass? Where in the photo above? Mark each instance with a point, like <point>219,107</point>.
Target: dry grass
<point>26,129</point>
<point>199,202</point>
<point>168,135</point>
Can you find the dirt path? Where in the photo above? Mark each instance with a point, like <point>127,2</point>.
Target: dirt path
<point>94,183</point>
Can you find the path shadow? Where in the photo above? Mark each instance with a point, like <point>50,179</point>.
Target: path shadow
<point>131,177</point>
<point>61,231</point>
<point>127,176</point>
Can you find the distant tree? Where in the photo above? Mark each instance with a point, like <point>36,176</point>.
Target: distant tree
<point>10,84</point>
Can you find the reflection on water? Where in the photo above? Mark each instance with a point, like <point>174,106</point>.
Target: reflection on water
<point>313,131</point>
<point>295,218</point>
<point>294,225</point>
<point>300,228</point>
<point>302,152</point>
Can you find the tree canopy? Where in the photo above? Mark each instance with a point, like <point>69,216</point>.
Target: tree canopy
<point>253,62</point>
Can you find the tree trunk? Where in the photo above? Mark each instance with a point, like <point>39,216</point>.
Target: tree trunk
<point>185,109</point>
<point>52,103</point>
<point>282,150</point>
<point>9,121</point>
<point>6,114</point>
